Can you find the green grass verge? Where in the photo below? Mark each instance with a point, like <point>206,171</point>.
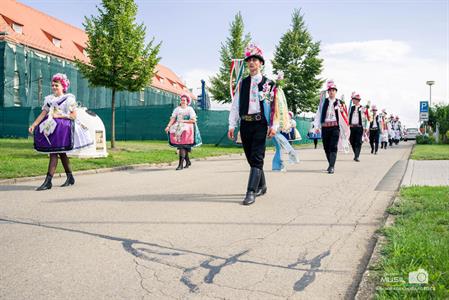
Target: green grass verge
<point>419,239</point>
<point>18,158</point>
<point>430,152</point>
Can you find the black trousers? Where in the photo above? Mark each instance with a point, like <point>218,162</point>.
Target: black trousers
<point>330,136</point>
<point>254,135</point>
<point>374,139</point>
<point>356,140</point>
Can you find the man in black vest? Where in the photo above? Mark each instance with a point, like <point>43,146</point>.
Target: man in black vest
<point>249,108</point>
<point>357,122</point>
<point>374,127</point>
<point>327,118</point>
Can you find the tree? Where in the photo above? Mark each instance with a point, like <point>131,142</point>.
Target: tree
<point>439,118</point>
<point>234,47</point>
<point>297,56</point>
<point>119,58</point>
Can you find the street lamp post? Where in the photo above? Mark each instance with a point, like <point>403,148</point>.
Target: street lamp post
<point>430,83</point>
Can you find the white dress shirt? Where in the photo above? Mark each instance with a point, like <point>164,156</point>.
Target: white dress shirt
<point>254,101</point>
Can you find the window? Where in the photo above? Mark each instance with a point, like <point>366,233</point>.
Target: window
<point>56,42</point>
<point>39,91</point>
<point>142,95</point>
<point>17,28</point>
<point>161,80</point>
<point>17,101</point>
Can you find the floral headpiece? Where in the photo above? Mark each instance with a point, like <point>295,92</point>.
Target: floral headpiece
<point>189,100</point>
<point>252,50</point>
<point>356,96</point>
<point>62,78</point>
<point>331,85</point>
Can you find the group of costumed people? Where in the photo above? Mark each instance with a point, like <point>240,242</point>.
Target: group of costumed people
<point>340,128</point>
<point>259,110</point>
<point>260,105</point>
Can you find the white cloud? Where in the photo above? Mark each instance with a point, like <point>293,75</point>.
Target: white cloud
<point>376,51</point>
<point>387,74</point>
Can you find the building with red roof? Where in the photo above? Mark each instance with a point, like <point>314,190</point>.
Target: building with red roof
<point>33,46</point>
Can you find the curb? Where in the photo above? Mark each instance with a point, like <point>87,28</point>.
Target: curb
<point>367,286</point>
<point>120,168</point>
<point>112,169</point>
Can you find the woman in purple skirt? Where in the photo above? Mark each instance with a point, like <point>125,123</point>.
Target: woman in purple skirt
<point>57,131</point>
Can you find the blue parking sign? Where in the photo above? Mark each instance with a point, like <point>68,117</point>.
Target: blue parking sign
<point>424,106</point>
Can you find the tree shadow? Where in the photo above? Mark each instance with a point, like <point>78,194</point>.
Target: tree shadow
<point>15,187</point>
<point>181,198</point>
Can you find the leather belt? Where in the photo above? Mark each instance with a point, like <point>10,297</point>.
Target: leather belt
<point>352,125</point>
<point>252,118</point>
<point>330,124</point>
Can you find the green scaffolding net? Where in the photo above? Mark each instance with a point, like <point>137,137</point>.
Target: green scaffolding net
<point>26,76</point>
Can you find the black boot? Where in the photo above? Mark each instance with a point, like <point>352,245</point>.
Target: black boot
<point>47,183</point>
<point>253,183</point>
<point>332,159</point>
<point>69,181</point>
<point>181,163</point>
<point>328,160</point>
<point>188,163</point>
<point>262,189</point>
<point>357,153</point>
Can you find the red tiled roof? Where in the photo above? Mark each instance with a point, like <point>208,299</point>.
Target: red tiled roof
<point>39,29</point>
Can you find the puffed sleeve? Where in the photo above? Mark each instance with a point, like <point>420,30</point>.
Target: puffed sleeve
<point>47,103</point>
<point>192,113</point>
<point>174,113</point>
<point>234,113</point>
<point>71,103</point>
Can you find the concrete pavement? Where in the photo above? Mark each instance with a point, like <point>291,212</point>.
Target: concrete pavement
<point>156,233</point>
<point>427,172</point>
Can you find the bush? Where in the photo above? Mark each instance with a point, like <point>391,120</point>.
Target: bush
<point>425,139</point>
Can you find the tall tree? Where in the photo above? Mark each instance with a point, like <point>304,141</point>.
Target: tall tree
<point>234,47</point>
<point>297,56</point>
<point>119,58</point>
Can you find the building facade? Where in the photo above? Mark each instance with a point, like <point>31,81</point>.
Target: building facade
<point>34,46</point>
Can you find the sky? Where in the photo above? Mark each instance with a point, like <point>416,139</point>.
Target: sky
<point>384,50</point>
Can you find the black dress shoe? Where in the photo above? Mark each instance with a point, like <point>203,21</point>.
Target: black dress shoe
<point>357,159</point>
<point>331,170</point>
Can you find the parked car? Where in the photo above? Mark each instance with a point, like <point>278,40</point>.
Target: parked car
<point>411,134</point>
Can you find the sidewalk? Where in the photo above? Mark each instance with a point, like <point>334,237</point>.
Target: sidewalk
<point>426,172</point>
<point>157,233</point>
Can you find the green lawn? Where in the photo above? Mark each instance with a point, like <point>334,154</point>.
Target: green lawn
<point>430,152</point>
<point>419,239</point>
<point>18,158</point>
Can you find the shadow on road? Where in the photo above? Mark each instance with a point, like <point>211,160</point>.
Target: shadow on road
<point>209,198</point>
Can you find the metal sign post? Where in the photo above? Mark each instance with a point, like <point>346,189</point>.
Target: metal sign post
<point>424,113</point>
